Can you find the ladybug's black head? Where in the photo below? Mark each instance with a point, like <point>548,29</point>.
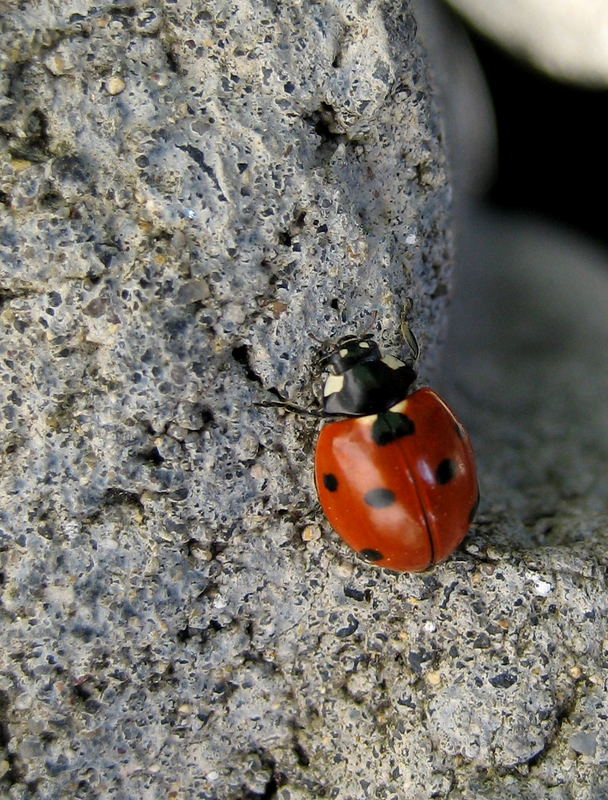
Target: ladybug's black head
<point>362,381</point>
<point>351,350</point>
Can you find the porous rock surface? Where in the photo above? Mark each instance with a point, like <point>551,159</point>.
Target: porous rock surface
<point>187,190</point>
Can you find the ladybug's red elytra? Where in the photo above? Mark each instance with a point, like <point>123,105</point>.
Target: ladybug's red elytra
<point>396,478</point>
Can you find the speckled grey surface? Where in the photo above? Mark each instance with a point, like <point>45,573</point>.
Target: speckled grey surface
<point>529,334</point>
<point>187,191</point>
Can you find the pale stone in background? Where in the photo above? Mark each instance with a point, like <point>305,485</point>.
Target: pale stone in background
<point>568,39</point>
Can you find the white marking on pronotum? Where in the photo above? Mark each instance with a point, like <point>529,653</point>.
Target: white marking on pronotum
<point>392,362</point>
<point>399,408</point>
<point>333,384</point>
<point>344,352</point>
<point>364,344</point>
<point>367,420</point>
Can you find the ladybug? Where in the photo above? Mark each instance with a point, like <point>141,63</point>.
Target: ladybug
<point>396,477</point>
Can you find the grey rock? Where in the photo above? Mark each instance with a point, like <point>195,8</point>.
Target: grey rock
<point>465,101</point>
<point>178,620</point>
<point>187,191</point>
<point>583,743</point>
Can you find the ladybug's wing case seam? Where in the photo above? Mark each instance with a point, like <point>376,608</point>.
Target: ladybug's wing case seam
<point>408,469</point>
<point>368,494</point>
<point>444,470</point>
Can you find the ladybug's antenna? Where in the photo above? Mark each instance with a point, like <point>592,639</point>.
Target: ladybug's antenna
<point>360,335</point>
<point>325,344</point>
<point>407,334</point>
<point>316,339</point>
<point>309,412</point>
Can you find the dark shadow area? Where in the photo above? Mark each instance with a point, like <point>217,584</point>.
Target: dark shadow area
<point>552,154</point>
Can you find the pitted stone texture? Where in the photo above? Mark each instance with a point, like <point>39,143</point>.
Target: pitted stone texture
<point>187,190</point>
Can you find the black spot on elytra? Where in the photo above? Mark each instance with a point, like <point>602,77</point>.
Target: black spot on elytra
<point>330,482</point>
<point>379,498</point>
<point>474,508</point>
<point>369,554</point>
<point>445,471</point>
<point>390,426</point>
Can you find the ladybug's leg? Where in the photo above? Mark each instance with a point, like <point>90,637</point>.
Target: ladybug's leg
<point>310,412</point>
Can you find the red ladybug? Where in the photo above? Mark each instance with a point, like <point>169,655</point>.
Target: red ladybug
<point>397,478</point>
